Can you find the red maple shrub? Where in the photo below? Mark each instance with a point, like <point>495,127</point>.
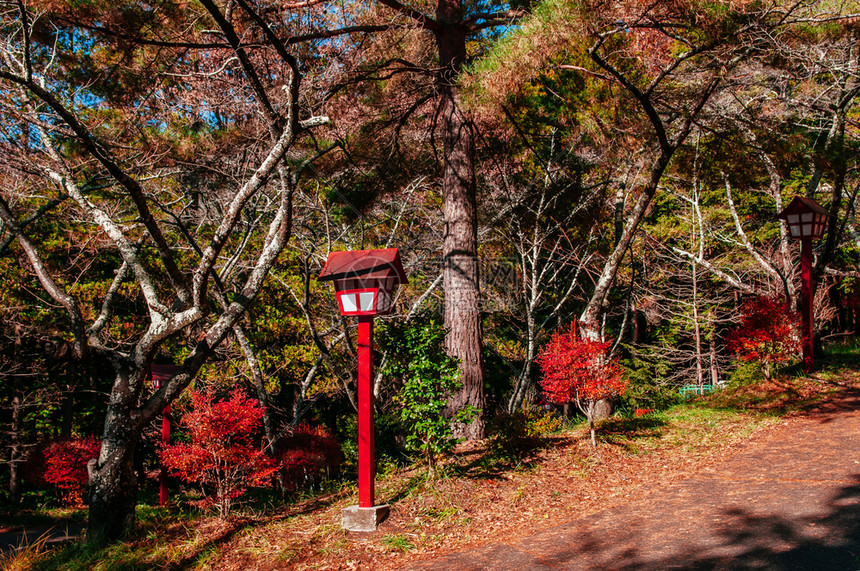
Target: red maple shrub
<point>65,465</point>
<point>768,333</point>
<point>578,370</point>
<point>226,455</point>
<point>308,454</point>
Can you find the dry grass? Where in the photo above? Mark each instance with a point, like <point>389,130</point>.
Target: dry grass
<point>27,555</point>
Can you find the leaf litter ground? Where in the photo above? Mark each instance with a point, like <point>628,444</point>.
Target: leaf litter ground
<point>478,501</point>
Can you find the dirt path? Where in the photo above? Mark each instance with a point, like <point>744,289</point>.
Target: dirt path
<point>788,501</point>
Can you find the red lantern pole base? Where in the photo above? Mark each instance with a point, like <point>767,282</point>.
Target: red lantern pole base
<point>355,518</point>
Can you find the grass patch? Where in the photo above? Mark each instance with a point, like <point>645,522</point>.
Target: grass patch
<point>778,397</point>
<point>164,537</point>
<point>441,514</point>
<point>398,542</point>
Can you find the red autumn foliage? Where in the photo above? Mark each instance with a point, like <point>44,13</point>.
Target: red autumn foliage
<point>226,455</point>
<point>578,370</point>
<point>768,332</point>
<point>65,466</point>
<point>307,454</point>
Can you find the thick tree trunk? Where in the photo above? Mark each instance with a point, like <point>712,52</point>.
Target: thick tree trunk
<point>113,485</point>
<point>113,489</point>
<point>463,340</point>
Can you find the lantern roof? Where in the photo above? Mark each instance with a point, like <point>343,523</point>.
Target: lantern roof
<point>800,205</point>
<point>364,264</point>
<point>160,374</point>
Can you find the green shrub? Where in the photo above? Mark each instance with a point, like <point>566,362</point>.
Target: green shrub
<point>428,377</point>
<point>746,373</point>
<point>645,390</point>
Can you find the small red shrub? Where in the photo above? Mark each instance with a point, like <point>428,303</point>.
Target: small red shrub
<point>65,466</point>
<point>768,333</point>
<point>226,455</point>
<point>578,370</point>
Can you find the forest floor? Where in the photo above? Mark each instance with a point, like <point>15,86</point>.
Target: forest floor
<point>481,499</point>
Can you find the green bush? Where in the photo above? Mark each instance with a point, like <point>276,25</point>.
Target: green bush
<point>746,373</point>
<point>427,377</point>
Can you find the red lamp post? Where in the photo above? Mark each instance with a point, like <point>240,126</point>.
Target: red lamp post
<point>364,281</point>
<point>806,219</point>
<point>161,374</point>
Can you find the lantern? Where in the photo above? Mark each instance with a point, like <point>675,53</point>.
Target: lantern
<point>805,219</point>
<point>364,282</point>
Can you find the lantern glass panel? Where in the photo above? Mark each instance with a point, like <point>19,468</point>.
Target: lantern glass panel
<point>348,301</point>
<point>807,216</point>
<point>793,218</point>
<point>366,300</point>
<point>807,230</point>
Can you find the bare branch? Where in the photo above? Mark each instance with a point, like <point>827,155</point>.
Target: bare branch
<point>424,21</point>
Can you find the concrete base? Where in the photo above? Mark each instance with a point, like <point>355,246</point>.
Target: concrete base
<point>355,518</point>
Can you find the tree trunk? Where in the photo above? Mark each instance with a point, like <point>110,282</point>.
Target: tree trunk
<point>113,492</point>
<point>463,339</point>
<point>715,368</point>
<point>113,485</point>
<point>16,451</point>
